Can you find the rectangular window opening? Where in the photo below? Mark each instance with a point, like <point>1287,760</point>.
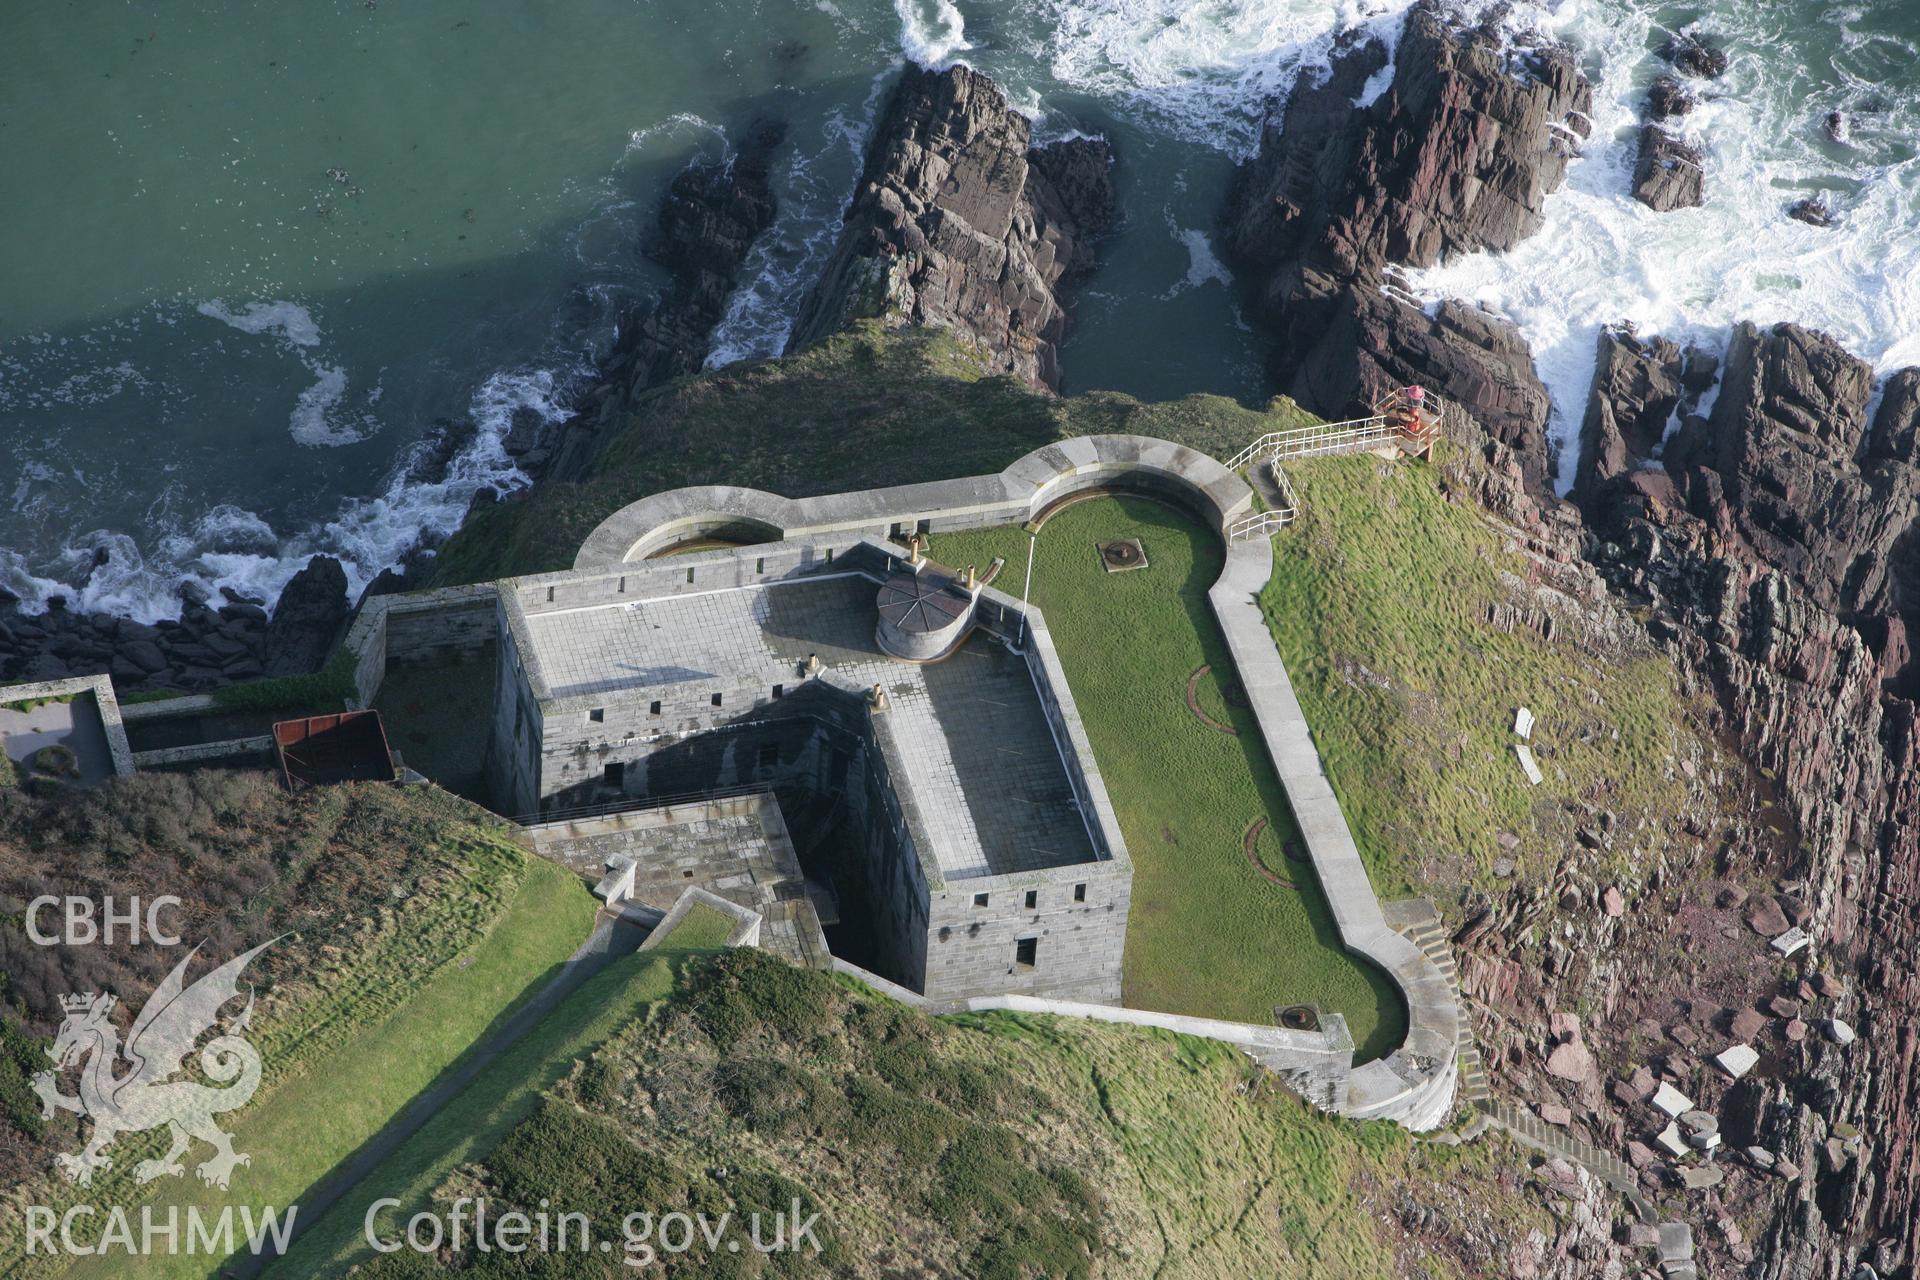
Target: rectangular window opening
<point>760,565</point>
<point>769,755</point>
<point>1033,899</point>
<point>1080,893</point>
<point>653,708</point>
<point>689,575</point>
<point>549,595</point>
<point>979,899</point>
<point>598,715</point>
<point>716,699</point>
<point>1025,951</point>
<point>615,774</point>
<point>778,690</point>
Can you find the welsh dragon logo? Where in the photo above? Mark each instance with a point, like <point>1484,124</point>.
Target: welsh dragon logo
<point>142,1097</point>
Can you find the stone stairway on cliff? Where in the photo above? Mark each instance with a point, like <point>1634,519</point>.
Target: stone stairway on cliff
<point>1419,922</point>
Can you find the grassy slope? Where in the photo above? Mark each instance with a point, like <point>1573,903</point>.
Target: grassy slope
<point>859,410</point>
<point>318,1115</point>
<point>1378,601</point>
<point>1207,934</point>
<point>363,1009</point>
<point>502,1096</point>
<point>991,1145</point>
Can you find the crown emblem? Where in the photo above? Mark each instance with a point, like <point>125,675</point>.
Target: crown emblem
<point>78,1002</point>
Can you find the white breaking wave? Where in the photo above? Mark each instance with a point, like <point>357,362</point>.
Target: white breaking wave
<point>1209,74</point>
<point>309,423</point>
<point>932,32</point>
<point>290,320</point>
<point>814,189</point>
<point>1692,274</point>
<point>313,421</point>
<point>678,125</point>
<point>229,546</point>
<point>1204,73</point>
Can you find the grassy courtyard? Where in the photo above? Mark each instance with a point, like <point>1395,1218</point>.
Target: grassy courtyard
<point>1209,933</point>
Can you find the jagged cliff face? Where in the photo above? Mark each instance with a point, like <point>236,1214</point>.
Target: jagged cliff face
<point>957,223</point>
<point>1767,533</point>
<point>705,225</point>
<point>1457,156</point>
<point>1777,552</point>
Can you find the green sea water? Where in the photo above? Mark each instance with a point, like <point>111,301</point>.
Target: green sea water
<point>256,254</point>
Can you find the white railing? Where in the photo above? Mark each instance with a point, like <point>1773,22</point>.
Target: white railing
<point>1259,524</point>
<point>1353,436</point>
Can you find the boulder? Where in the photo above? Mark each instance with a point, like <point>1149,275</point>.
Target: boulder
<point>1668,98</point>
<point>1697,54</point>
<point>1670,173</point>
<point>1765,917</point>
<point>1812,210</point>
<point>958,223</point>
<point>1571,1060</point>
<point>307,618</point>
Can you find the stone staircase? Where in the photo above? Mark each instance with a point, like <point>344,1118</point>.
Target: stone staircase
<point>1530,1130</point>
<point>1417,920</point>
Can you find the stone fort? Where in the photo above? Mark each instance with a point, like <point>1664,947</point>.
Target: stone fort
<point>876,759</point>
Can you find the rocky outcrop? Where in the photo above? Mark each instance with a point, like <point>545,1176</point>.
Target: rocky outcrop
<point>1697,54</point>
<point>1812,210</point>
<point>209,645</point>
<point>307,618</point>
<point>1777,557</point>
<point>707,222</point>
<point>1457,155</point>
<point>1640,389</point>
<point>1670,174</point>
<point>1668,98</point>
<point>1784,468</point>
<point>958,223</point>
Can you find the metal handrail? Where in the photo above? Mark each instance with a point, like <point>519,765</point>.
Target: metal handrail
<point>1321,437</point>
<point>1354,435</point>
<point>1258,524</point>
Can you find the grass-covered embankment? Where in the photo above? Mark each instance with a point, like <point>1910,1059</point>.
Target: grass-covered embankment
<point>1380,602</point>
<point>1207,932</point>
<point>864,408</point>
<point>502,1096</point>
<point>991,1145</point>
<point>407,923</point>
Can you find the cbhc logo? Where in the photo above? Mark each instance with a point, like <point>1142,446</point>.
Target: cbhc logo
<point>84,925</point>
